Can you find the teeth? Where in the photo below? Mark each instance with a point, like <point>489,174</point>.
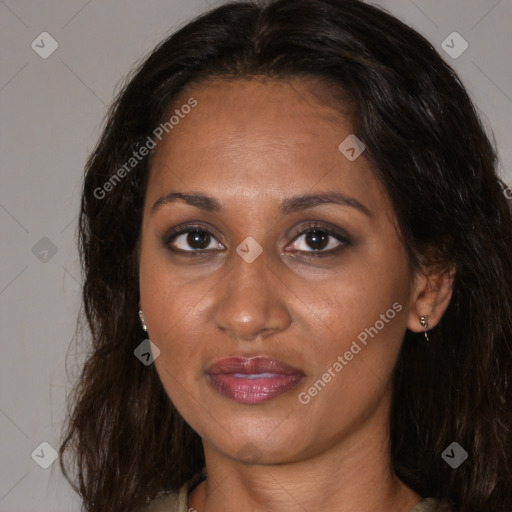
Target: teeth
<point>254,375</point>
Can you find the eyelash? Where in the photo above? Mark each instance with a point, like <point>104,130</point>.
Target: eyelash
<point>339,236</point>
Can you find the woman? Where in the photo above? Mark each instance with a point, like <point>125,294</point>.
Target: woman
<point>296,202</point>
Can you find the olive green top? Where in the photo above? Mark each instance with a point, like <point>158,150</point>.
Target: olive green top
<point>177,502</point>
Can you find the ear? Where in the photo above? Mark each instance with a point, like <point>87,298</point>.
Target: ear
<point>431,294</point>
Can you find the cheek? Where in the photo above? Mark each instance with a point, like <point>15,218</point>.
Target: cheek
<point>363,315</point>
<point>166,305</point>
<point>169,299</point>
<point>175,316</point>
<point>175,324</point>
<point>352,362</point>
<point>176,313</point>
<point>361,292</point>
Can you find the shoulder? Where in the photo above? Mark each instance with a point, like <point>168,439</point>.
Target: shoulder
<point>432,505</point>
<point>175,501</point>
<point>169,502</point>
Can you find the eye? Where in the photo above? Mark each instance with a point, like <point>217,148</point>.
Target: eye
<point>192,240</point>
<point>316,240</point>
<point>319,241</point>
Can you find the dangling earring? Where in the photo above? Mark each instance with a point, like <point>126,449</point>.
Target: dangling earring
<point>141,316</point>
<point>424,324</point>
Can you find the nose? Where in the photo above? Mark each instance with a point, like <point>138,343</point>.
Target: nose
<point>251,302</point>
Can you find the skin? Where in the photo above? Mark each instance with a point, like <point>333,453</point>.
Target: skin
<point>250,145</point>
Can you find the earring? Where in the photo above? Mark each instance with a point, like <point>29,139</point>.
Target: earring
<point>424,324</point>
<point>141,316</point>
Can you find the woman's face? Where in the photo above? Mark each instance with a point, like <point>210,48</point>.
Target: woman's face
<point>279,321</point>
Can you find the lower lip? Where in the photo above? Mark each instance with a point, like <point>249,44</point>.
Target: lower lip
<point>253,390</point>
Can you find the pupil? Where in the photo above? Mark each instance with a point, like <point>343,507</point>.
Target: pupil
<point>317,239</point>
<point>198,239</point>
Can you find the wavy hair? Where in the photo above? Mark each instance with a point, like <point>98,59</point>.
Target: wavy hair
<point>123,440</point>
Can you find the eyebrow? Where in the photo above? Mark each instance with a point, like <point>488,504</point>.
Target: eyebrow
<point>289,205</point>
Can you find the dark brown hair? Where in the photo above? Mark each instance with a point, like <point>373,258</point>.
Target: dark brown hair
<point>124,439</point>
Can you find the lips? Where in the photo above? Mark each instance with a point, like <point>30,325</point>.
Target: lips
<point>253,380</point>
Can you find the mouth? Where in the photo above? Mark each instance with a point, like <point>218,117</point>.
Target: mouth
<point>253,380</point>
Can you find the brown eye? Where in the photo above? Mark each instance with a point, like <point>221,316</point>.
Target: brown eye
<point>198,239</point>
<point>193,240</point>
<point>319,241</point>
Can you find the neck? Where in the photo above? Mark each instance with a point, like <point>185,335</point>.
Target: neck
<point>353,473</point>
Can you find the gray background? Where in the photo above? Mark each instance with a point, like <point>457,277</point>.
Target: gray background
<point>51,111</point>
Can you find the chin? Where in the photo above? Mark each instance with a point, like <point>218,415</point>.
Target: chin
<point>261,442</point>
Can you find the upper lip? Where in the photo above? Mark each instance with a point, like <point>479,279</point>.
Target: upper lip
<point>252,365</point>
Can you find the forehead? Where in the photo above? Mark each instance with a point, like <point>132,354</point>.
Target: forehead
<point>257,139</point>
